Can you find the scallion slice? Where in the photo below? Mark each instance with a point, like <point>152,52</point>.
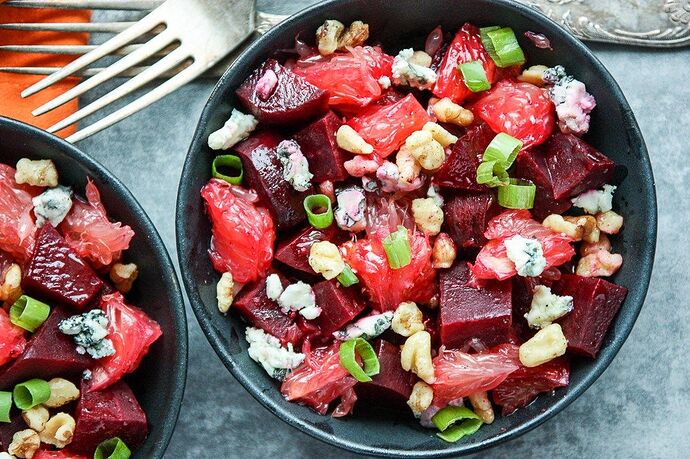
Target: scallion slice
<point>503,148</point>
<point>446,421</point>
<point>492,174</point>
<point>474,76</point>
<point>317,203</point>
<point>518,194</point>
<point>397,247</point>
<point>5,406</point>
<point>228,161</point>
<point>502,45</point>
<point>114,448</point>
<point>348,359</point>
<point>29,313</point>
<point>348,277</point>
<point>31,393</point>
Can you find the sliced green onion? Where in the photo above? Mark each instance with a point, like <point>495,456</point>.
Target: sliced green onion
<point>502,45</point>
<point>446,419</point>
<point>112,449</point>
<point>347,278</point>
<point>397,247</point>
<point>492,173</point>
<point>31,393</point>
<point>474,76</point>
<point>5,406</point>
<point>503,148</point>
<point>518,194</point>
<point>230,161</point>
<point>319,202</point>
<point>29,313</point>
<point>348,359</point>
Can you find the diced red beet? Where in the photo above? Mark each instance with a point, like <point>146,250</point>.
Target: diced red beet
<point>460,168</point>
<point>531,165</point>
<point>393,385</point>
<point>466,216</point>
<point>318,144</point>
<point>294,251</point>
<point>56,271</point>
<point>339,305</point>
<point>575,166</point>
<point>263,172</point>
<point>523,291</point>
<point>57,454</point>
<point>522,386</point>
<point>596,303</point>
<point>466,312</point>
<point>8,429</point>
<point>113,412</point>
<point>293,100</point>
<point>49,353</point>
<point>262,312</point>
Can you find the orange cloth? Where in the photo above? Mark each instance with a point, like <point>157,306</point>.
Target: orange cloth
<point>11,85</point>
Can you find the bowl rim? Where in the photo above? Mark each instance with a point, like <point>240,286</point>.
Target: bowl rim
<point>173,400</point>
<point>597,366</point>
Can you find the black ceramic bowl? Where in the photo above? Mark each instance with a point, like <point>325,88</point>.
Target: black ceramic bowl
<point>396,25</point>
<point>159,382</point>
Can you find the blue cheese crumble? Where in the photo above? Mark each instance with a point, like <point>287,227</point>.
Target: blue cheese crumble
<point>52,205</point>
<point>266,350</point>
<point>547,307</point>
<point>235,129</point>
<point>595,201</point>
<point>367,327</point>
<point>406,73</point>
<point>299,297</point>
<point>572,101</point>
<point>295,165</point>
<point>273,287</point>
<point>89,332</point>
<point>526,254</point>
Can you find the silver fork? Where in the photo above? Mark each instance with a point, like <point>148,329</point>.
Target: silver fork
<point>204,30</point>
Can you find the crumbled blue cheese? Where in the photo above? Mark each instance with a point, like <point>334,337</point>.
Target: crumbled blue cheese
<point>433,193</point>
<point>299,297</point>
<point>52,205</point>
<point>273,287</point>
<point>90,333</point>
<point>385,82</point>
<point>367,327</point>
<point>266,350</point>
<point>86,375</point>
<point>295,165</point>
<point>596,201</point>
<point>573,102</point>
<point>547,307</point>
<point>527,254</point>
<point>349,214</point>
<point>235,129</point>
<point>409,74</point>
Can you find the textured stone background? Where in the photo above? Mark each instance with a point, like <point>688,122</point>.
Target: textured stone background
<point>638,408</point>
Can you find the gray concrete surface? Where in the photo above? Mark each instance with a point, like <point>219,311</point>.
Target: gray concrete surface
<point>637,409</point>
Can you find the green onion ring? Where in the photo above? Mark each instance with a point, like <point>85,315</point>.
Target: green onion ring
<point>518,194</point>
<point>397,247</point>
<point>29,313</point>
<point>504,149</point>
<point>446,419</point>
<point>31,393</point>
<point>5,406</point>
<point>492,173</point>
<point>502,45</point>
<point>464,429</point>
<point>474,76</point>
<point>318,201</point>
<point>347,278</point>
<point>348,359</point>
<point>113,448</point>
<point>231,161</point>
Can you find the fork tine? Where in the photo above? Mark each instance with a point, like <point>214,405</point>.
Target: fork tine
<point>96,27</point>
<point>215,72</point>
<point>87,4</point>
<point>179,80</point>
<point>169,62</point>
<point>156,44</point>
<point>118,41</point>
<point>71,50</point>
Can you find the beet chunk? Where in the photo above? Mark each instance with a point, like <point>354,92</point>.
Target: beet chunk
<point>531,165</point>
<point>8,429</point>
<point>264,174</point>
<point>467,215</point>
<point>318,144</point>
<point>294,251</point>
<point>293,100</point>
<point>595,304</point>
<point>264,313</point>
<point>575,166</point>
<point>460,169</point>
<point>113,412</point>
<point>49,353</point>
<point>339,305</point>
<point>393,385</point>
<point>467,312</point>
<point>56,271</point>
<point>522,386</point>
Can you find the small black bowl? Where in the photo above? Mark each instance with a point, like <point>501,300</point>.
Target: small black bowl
<point>396,25</point>
<point>160,380</point>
